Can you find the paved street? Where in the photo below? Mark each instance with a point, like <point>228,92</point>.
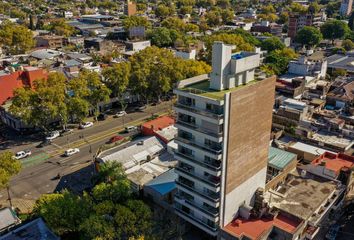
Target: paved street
<point>40,170</point>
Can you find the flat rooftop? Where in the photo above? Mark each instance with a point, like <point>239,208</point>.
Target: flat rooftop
<point>279,159</point>
<point>301,196</point>
<point>254,228</point>
<point>202,88</point>
<point>334,162</point>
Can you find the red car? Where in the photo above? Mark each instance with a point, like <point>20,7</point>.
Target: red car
<point>115,139</point>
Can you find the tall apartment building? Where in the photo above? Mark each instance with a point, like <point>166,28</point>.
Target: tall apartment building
<point>299,20</point>
<point>130,8</point>
<point>346,7</point>
<point>224,123</point>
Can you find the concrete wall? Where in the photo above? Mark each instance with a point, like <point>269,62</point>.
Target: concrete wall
<point>248,142</point>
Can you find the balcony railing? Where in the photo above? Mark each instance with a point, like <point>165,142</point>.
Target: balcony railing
<point>211,227</point>
<point>199,111</point>
<point>200,163</point>
<point>211,149</point>
<point>213,212</point>
<point>213,197</point>
<point>199,129</point>
<point>212,180</point>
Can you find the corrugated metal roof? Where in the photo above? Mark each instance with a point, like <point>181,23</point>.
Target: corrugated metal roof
<point>164,183</point>
<point>278,158</point>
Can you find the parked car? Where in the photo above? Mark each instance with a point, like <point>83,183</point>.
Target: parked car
<point>71,151</point>
<point>131,129</point>
<point>53,135</point>
<point>333,231</point>
<point>115,139</point>
<point>22,154</point>
<point>141,108</point>
<point>120,114</point>
<point>102,117</point>
<point>86,125</point>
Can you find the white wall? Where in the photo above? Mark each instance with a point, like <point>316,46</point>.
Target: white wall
<point>242,194</point>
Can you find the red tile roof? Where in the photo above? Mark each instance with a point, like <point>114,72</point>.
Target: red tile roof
<point>18,79</point>
<point>334,162</point>
<point>254,228</point>
<point>159,123</point>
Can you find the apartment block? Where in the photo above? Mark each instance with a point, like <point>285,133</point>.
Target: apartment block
<point>299,20</point>
<point>224,122</point>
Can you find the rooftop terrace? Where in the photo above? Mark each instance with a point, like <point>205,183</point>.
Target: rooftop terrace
<point>202,88</point>
<point>300,196</point>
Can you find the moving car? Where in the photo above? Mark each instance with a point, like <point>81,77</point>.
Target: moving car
<point>53,135</point>
<point>120,114</point>
<point>115,139</point>
<point>22,154</point>
<point>86,125</point>
<point>131,129</point>
<point>71,151</point>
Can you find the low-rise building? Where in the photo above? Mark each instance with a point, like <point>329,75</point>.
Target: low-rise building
<point>49,41</point>
<point>8,219</point>
<point>143,160</point>
<point>161,127</point>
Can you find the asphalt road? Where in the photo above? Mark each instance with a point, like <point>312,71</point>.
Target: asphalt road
<point>40,170</point>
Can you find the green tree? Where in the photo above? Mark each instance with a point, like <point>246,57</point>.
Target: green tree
<point>163,11</point>
<point>117,80</point>
<point>63,212</point>
<point>135,21</point>
<point>61,27</point>
<point>309,36</point>
<point>314,7</point>
<point>43,104</point>
<point>8,168</point>
<point>334,29</point>
<point>271,44</point>
<point>277,61</point>
<point>297,7</point>
<point>227,15</point>
<point>17,39</point>
<point>163,37</point>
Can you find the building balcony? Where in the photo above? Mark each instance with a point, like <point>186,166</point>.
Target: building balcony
<point>203,112</point>
<point>212,197</point>
<point>210,149</point>
<point>211,180</point>
<point>193,126</point>
<point>210,228</point>
<point>210,211</point>
<point>213,166</point>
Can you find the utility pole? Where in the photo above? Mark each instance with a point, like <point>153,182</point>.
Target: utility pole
<point>8,195</point>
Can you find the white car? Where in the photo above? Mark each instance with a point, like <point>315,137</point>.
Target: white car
<point>53,135</point>
<point>86,125</point>
<point>71,151</point>
<point>131,129</point>
<point>22,154</point>
<point>120,114</point>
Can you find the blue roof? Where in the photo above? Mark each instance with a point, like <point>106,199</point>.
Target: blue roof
<point>164,183</point>
<point>279,159</point>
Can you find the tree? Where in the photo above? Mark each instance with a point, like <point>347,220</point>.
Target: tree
<point>135,21</point>
<point>97,91</point>
<point>61,28</point>
<point>213,18</point>
<point>16,38</point>
<point>309,36</point>
<point>117,80</point>
<point>163,11</point>
<point>314,7</point>
<point>334,29</point>
<point>277,61</point>
<point>271,44</point>
<point>8,168</point>
<point>227,15</point>
<point>347,44</point>
<point>163,37</point>
<point>297,7</point>
<point>63,212</point>
<point>43,104</point>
